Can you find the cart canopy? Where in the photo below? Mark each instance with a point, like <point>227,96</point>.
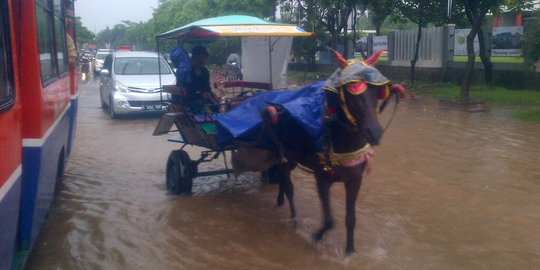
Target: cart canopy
<point>231,26</point>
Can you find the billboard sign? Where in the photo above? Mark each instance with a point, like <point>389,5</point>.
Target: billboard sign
<point>460,42</point>
<point>380,43</point>
<point>506,41</point>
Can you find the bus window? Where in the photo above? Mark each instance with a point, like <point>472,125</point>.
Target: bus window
<point>6,84</point>
<point>60,34</point>
<point>45,34</point>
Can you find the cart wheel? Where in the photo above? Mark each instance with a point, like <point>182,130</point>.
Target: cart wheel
<point>180,172</point>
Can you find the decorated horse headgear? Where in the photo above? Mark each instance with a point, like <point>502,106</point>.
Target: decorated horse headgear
<point>355,76</point>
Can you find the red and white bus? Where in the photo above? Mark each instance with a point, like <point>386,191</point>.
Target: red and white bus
<point>38,105</point>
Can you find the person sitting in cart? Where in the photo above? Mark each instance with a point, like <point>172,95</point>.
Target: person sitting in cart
<point>198,92</point>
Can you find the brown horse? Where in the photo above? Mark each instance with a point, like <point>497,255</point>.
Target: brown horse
<point>351,127</point>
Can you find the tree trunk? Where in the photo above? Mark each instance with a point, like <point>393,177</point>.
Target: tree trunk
<point>464,92</point>
<point>333,45</point>
<point>355,14</point>
<point>486,61</point>
<point>378,24</point>
<point>416,49</point>
<point>312,63</point>
<point>345,42</point>
<point>274,10</point>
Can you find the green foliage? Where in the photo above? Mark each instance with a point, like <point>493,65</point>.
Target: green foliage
<point>476,11</point>
<point>379,11</point>
<point>518,6</point>
<point>496,96</point>
<point>494,59</point>
<point>527,114</point>
<point>327,19</point>
<point>84,36</point>
<point>299,75</point>
<point>420,12</point>
<point>524,103</point>
<point>176,13</point>
<point>531,42</point>
<point>305,14</point>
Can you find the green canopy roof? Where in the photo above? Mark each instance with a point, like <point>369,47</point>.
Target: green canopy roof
<point>232,25</point>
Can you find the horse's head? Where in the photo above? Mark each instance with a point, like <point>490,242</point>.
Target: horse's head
<point>354,90</point>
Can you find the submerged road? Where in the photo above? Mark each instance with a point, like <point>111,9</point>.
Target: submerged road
<point>449,190</point>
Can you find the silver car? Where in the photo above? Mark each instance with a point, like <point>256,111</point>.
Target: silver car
<point>98,60</point>
<point>130,83</point>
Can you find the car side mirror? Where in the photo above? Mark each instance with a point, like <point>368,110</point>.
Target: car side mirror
<point>105,72</point>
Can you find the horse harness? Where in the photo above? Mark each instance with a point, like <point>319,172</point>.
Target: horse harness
<point>352,78</point>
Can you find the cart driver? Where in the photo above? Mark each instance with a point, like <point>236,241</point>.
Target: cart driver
<point>199,92</point>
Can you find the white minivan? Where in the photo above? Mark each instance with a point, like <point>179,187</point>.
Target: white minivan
<point>130,83</point>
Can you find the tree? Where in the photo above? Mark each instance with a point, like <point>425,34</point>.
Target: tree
<point>476,11</point>
<point>421,12</point>
<point>531,42</point>
<point>304,14</point>
<point>113,37</point>
<point>378,11</point>
<point>331,17</point>
<point>84,36</point>
<point>334,16</point>
<point>176,13</point>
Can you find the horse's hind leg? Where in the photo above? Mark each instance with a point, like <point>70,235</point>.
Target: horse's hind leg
<point>323,188</point>
<point>289,192</point>
<point>281,194</point>
<point>286,187</point>
<point>351,188</point>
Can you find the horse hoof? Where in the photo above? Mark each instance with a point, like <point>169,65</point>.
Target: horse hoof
<point>294,223</point>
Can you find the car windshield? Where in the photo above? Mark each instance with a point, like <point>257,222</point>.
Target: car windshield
<point>139,66</point>
<point>101,55</point>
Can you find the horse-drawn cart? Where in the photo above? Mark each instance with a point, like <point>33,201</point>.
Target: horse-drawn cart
<point>259,73</point>
<point>328,127</point>
<point>197,130</point>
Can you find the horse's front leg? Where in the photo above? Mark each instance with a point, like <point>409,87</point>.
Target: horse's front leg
<point>352,187</point>
<point>323,188</point>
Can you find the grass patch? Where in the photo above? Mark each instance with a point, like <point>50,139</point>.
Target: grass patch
<point>497,96</point>
<point>527,114</point>
<point>494,59</point>
<point>381,59</point>
<point>310,75</point>
<point>526,102</point>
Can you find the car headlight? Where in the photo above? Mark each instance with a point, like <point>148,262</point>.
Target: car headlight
<point>120,87</point>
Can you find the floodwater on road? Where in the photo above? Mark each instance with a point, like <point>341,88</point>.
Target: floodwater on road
<point>449,190</point>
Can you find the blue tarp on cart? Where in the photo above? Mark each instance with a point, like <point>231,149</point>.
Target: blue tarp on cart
<point>245,124</point>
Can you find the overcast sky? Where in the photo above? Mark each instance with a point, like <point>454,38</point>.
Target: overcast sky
<point>98,14</point>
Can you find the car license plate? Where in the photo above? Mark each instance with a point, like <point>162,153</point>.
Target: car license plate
<point>151,107</point>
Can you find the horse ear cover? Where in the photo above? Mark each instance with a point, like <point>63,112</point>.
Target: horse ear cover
<point>341,61</point>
